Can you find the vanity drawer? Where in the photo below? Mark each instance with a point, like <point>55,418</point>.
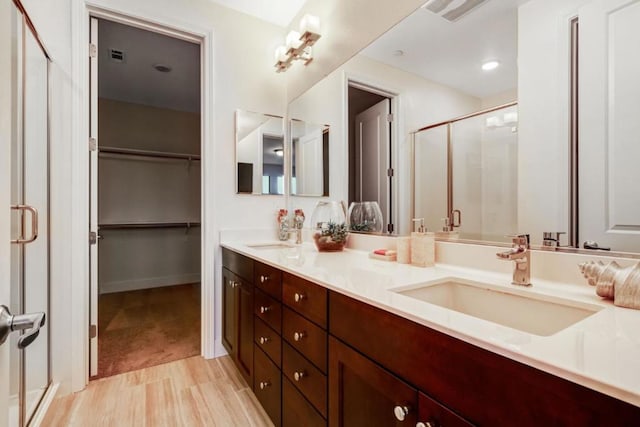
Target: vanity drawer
<point>267,385</point>
<point>268,279</point>
<point>296,410</point>
<point>306,377</point>
<point>269,310</point>
<point>268,341</point>
<point>306,298</point>
<point>306,337</point>
<point>238,264</point>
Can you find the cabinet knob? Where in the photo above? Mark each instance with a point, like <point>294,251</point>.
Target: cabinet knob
<point>299,335</point>
<point>400,412</point>
<point>299,375</point>
<point>264,384</point>
<point>298,297</point>
<point>264,279</point>
<point>233,283</point>
<point>264,309</point>
<point>264,340</point>
<point>426,424</point>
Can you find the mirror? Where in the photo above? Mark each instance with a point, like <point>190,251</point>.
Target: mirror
<point>259,153</point>
<point>309,159</point>
<point>529,181</point>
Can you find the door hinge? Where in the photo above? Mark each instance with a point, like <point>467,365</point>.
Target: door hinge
<point>390,228</point>
<point>93,144</point>
<point>390,172</point>
<point>93,331</point>
<point>390,117</point>
<point>93,237</point>
<point>93,50</point>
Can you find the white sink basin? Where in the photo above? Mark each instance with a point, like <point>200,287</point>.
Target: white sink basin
<point>528,313</point>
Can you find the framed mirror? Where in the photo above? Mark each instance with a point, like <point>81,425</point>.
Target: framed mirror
<point>259,153</point>
<point>309,159</point>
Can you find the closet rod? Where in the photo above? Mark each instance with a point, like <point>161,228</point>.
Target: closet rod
<point>125,226</point>
<point>147,153</point>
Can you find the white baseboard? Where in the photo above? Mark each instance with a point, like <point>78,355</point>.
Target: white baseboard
<point>219,349</point>
<point>147,283</point>
<point>48,397</point>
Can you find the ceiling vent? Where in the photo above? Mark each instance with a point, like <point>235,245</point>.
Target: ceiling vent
<point>452,10</point>
<point>116,55</point>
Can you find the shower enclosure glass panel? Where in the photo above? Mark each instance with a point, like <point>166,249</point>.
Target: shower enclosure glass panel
<point>469,164</point>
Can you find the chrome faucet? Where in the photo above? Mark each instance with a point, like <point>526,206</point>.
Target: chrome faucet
<point>521,255</point>
<point>288,226</point>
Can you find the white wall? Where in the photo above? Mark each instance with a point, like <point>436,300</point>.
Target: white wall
<point>543,136</point>
<point>421,102</point>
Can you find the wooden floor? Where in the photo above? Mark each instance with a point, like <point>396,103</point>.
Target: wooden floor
<point>189,392</point>
<point>147,327</point>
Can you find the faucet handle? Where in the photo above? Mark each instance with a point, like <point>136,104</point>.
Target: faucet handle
<point>520,239</point>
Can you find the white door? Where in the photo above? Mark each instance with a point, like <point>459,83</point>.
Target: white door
<point>93,200</point>
<point>24,207</point>
<point>609,148</point>
<point>373,148</point>
<point>308,157</point>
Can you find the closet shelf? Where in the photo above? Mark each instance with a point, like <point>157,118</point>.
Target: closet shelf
<point>133,225</point>
<point>148,153</point>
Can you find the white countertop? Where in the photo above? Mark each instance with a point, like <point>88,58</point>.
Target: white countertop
<point>601,352</point>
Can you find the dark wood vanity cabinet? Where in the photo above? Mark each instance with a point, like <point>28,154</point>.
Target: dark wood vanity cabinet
<point>315,356</point>
<point>237,307</point>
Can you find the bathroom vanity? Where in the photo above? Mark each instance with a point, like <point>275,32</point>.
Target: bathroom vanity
<point>340,339</point>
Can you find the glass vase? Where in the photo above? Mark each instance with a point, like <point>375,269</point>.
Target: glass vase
<point>365,217</point>
<point>329,226</point>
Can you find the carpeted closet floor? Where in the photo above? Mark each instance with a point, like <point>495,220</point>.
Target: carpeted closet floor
<point>138,329</point>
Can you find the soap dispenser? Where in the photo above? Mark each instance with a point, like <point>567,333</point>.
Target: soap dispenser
<point>422,245</point>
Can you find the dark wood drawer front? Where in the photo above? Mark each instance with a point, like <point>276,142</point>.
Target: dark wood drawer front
<point>269,310</point>
<point>267,385</point>
<point>503,389</point>
<point>239,264</point>
<point>306,377</point>
<point>268,279</point>
<point>296,410</point>
<point>306,337</point>
<point>430,411</point>
<point>268,341</point>
<point>306,298</point>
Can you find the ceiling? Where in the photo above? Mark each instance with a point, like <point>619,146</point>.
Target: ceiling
<point>135,79</point>
<point>279,12</point>
<point>451,53</point>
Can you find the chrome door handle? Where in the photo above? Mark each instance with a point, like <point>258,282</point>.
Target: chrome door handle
<point>590,244</point>
<point>9,323</point>
<point>34,223</point>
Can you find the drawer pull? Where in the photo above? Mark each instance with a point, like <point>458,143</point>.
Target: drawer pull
<point>264,279</point>
<point>400,412</point>
<point>233,283</point>
<point>264,340</point>
<point>264,384</point>
<point>264,309</point>
<point>298,375</point>
<point>299,335</point>
<point>426,424</point>
<point>298,297</point>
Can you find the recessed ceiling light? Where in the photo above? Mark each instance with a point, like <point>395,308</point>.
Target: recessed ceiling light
<point>490,65</point>
<point>398,52</point>
<point>162,68</point>
<point>279,152</point>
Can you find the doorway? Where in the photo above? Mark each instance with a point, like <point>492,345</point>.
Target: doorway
<point>370,132</point>
<point>145,198</point>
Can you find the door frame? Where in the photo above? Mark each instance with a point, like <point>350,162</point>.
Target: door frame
<point>367,84</point>
<point>80,290</point>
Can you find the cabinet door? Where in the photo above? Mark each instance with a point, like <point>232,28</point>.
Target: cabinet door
<point>431,413</point>
<point>229,312</point>
<point>361,393</point>
<point>244,347</point>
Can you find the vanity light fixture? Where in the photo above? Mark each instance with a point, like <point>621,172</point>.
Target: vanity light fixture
<point>298,44</point>
<point>279,152</point>
<point>490,65</point>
